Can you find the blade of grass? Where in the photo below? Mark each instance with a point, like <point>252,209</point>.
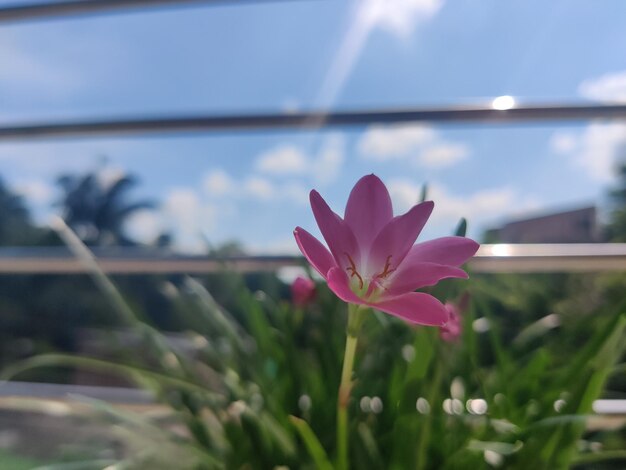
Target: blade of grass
<point>316,451</point>
<point>141,375</point>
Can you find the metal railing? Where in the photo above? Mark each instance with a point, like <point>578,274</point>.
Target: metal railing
<point>498,258</point>
<point>51,10</point>
<point>309,120</point>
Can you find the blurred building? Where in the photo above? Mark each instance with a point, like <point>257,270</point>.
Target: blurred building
<point>574,226</point>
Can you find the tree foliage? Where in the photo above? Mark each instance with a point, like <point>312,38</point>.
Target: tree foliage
<point>97,210</point>
<point>617,225</point>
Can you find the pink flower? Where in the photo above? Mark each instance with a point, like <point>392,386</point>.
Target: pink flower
<point>451,330</point>
<point>373,260</point>
<point>302,291</point>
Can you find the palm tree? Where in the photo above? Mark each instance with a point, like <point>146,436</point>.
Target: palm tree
<point>97,210</point>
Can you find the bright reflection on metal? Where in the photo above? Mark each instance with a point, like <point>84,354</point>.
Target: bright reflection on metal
<point>503,103</point>
<point>501,249</point>
<point>610,407</point>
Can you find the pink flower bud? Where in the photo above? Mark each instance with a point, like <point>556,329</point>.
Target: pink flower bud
<point>302,291</point>
<point>451,330</point>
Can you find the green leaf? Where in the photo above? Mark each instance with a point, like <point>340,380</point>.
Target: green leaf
<point>370,446</point>
<point>503,448</point>
<point>461,228</point>
<point>316,451</point>
<point>423,193</point>
<point>142,376</point>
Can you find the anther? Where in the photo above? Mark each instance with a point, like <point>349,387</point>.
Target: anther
<point>386,271</point>
<point>353,272</point>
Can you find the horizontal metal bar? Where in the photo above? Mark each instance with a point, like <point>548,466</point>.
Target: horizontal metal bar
<point>47,10</point>
<point>533,258</point>
<point>65,391</point>
<point>132,396</point>
<point>501,258</point>
<point>308,120</point>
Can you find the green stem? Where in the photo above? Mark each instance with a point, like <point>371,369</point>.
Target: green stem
<point>355,319</point>
<point>424,432</point>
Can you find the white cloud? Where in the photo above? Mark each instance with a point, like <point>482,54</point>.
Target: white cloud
<point>563,142</point>
<point>595,150</point>
<point>34,190</point>
<point>385,143</point>
<point>283,160</point>
<point>259,187</point>
<point>610,87</point>
<point>188,218</point>
<point>144,225</point>
<point>218,183</point>
<point>483,204</point>
<point>399,17</point>
<point>109,175</point>
<point>182,204</point>
<point>442,155</point>
<point>418,143</point>
<point>326,168</point>
<point>295,192</point>
<point>479,208</point>
<point>290,160</point>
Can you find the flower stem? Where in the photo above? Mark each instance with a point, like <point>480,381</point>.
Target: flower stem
<point>355,319</point>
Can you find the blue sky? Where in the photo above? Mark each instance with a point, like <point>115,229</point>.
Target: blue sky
<point>282,56</point>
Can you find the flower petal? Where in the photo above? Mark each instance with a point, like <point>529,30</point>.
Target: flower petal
<point>397,237</point>
<point>338,235</point>
<point>416,307</point>
<point>316,253</point>
<point>413,276</point>
<point>339,283</point>
<point>368,210</point>
<point>453,251</point>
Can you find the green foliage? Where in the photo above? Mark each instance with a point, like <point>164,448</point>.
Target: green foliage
<point>261,391</point>
<point>13,462</point>
<point>16,228</point>
<point>617,226</point>
<point>258,388</point>
<point>97,210</point>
